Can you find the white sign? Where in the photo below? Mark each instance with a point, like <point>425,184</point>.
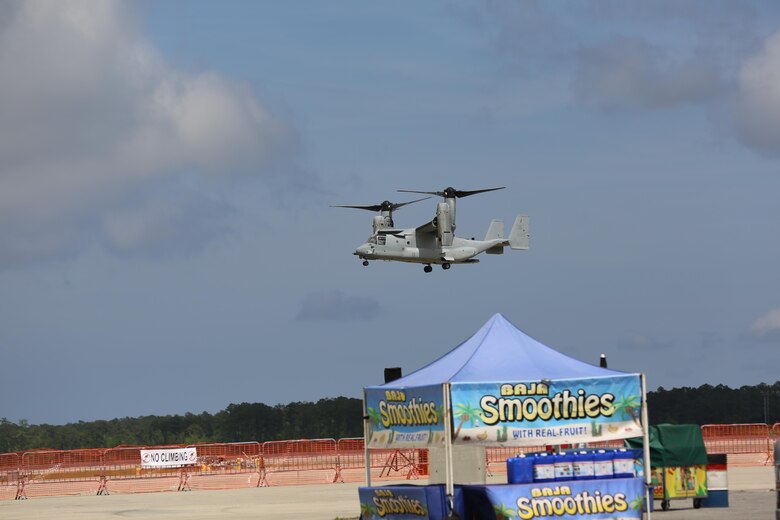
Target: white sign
<point>168,458</point>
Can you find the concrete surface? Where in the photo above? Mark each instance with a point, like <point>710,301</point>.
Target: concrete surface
<point>750,496</point>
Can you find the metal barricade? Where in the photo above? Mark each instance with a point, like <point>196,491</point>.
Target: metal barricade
<point>9,475</point>
<point>303,461</point>
<point>59,472</point>
<point>746,444</point>
<point>125,473</point>
<point>227,465</point>
<point>251,464</point>
<point>351,461</point>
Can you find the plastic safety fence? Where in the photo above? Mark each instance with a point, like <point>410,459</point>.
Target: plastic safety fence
<point>309,461</point>
<point>124,472</point>
<point>745,444</point>
<point>55,472</point>
<point>351,460</point>
<point>9,475</point>
<point>251,464</point>
<point>226,466</point>
<point>385,464</point>
<point>496,457</point>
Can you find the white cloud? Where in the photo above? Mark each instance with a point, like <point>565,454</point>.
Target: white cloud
<point>759,98</point>
<point>94,122</point>
<point>766,326</point>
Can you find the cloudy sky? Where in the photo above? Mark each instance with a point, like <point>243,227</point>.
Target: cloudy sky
<point>166,172</point>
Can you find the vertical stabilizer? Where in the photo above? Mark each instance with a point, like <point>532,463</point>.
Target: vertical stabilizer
<point>518,237</point>
<point>495,231</point>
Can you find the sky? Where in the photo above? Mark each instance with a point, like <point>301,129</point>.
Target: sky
<point>167,169</point>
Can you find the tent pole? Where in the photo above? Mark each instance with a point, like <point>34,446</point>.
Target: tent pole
<point>366,435</point>
<point>646,448</point>
<point>450,489</point>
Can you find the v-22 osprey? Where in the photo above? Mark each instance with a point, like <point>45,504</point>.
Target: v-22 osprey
<point>435,242</point>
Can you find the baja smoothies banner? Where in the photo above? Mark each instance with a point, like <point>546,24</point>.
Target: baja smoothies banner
<point>405,417</point>
<point>393,502</point>
<point>612,499</point>
<point>547,412</point>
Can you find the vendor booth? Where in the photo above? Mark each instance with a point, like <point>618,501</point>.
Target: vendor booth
<point>502,388</point>
<point>678,461</point>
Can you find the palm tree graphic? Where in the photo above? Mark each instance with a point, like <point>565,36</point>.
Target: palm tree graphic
<point>628,406</point>
<point>375,421</point>
<point>467,414</point>
<point>503,512</point>
<point>367,511</point>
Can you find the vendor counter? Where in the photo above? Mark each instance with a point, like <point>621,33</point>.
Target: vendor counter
<point>620,498</point>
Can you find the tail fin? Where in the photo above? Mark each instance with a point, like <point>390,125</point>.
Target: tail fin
<point>495,231</point>
<point>518,236</point>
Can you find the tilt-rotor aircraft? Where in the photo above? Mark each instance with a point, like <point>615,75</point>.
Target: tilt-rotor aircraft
<point>435,242</point>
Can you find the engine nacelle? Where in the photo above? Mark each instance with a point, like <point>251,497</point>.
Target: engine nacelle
<point>382,222</point>
<point>445,225</point>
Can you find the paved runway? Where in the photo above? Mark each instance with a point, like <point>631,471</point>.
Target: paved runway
<point>750,496</point>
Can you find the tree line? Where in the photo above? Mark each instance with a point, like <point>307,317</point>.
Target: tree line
<point>337,418</point>
<point>341,417</point>
<point>719,404</point>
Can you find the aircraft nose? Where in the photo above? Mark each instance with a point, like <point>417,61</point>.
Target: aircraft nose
<point>363,250</point>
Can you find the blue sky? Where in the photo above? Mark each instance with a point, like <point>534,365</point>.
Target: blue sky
<point>166,172</point>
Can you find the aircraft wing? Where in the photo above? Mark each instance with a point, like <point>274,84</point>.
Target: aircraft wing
<point>428,227</point>
<point>426,236</point>
<point>394,232</point>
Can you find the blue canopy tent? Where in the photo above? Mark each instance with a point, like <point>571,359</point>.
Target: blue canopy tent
<point>501,387</point>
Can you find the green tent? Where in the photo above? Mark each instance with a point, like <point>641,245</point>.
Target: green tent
<point>674,445</point>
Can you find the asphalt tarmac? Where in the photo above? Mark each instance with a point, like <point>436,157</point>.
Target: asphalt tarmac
<point>751,496</point>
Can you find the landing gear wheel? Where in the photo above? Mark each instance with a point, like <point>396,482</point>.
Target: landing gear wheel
<point>445,266</point>
<point>365,262</point>
<point>696,503</point>
<point>665,505</point>
<point>427,268</point>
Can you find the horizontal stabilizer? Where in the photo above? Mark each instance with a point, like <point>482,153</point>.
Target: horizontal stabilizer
<point>518,237</point>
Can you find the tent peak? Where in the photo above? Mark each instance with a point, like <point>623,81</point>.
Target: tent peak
<point>499,351</point>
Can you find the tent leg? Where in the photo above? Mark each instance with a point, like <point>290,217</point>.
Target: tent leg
<point>366,434</point>
<point>646,449</point>
<point>450,489</point>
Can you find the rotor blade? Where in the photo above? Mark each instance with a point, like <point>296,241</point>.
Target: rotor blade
<point>384,206</point>
<point>400,204</point>
<point>453,193</point>
<point>460,193</point>
<point>375,207</point>
<point>439,193</point>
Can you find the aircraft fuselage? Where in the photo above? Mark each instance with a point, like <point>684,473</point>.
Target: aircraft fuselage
<point>402,245</point>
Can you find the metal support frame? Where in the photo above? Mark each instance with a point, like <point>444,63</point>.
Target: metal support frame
<point>184,480</point>
<point>450,480</point>
<point>366,438</point>
<point>20,483</point>
<point>646,449</point>
<point>102,489</point>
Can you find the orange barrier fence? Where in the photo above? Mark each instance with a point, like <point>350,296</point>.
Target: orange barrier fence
<point>745,444</point>
<point>253,464</point>
<point>496,457</point>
